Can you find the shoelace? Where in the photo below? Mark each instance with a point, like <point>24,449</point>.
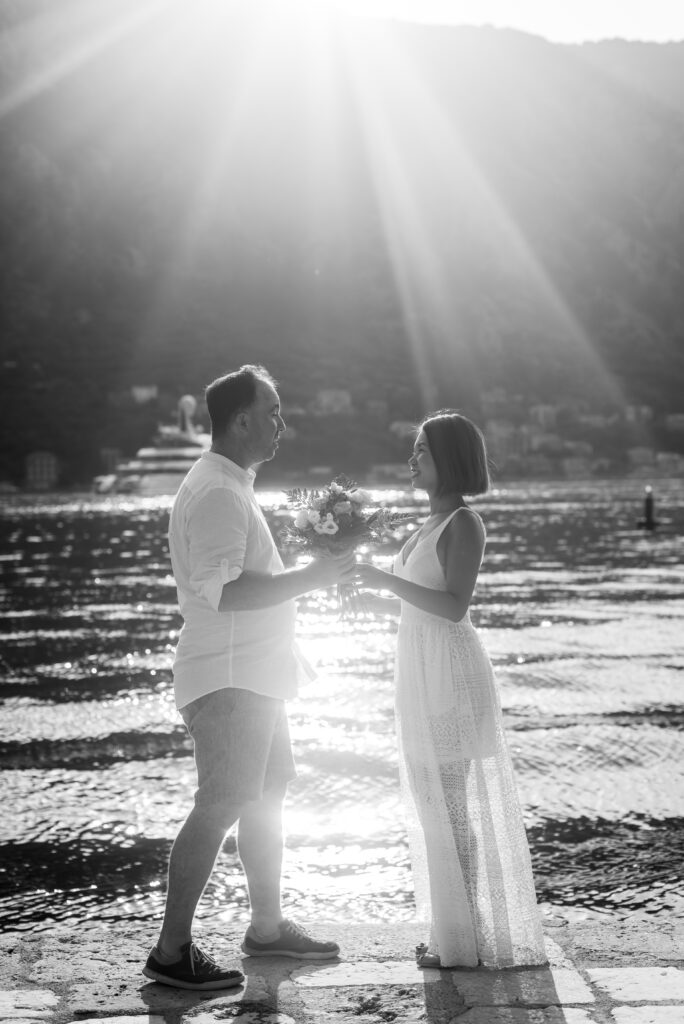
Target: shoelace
<point>201,959</point>
<point>297,931</point>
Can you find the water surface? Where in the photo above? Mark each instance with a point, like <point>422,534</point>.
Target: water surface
<point>582,614</point>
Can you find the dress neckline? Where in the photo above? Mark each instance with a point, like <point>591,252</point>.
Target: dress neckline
<point>417,539</point>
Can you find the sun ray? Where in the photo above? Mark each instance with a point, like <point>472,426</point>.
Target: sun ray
<point>247,105</point>
<point>40,33</point>
<point>425,276</point>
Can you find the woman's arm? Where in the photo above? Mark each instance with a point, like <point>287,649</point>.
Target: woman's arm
<point>377,604</point>
<point>464,546</point>
<point>252,591</point>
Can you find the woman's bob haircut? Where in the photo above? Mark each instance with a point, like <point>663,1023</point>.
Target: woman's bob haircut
<point>460,453</point>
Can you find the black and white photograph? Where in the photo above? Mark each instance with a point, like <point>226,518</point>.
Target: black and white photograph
<point>342,511</point>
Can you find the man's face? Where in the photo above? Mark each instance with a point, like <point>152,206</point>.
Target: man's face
<point>264,424</point>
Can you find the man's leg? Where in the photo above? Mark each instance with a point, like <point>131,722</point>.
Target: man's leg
<point>191,862</point>
<point>260,845</point>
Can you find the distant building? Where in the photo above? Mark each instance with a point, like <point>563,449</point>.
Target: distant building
<point>144,393</point>
<point>670,463</point>
<point>402,429</point>
<point>332,402</point>
<point>545,415</point>
<point>597,420</point>
<point>42,471</point>
<point>638,414</point>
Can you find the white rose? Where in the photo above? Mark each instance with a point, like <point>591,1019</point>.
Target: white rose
<point>313,516</point>
<point>301,520</point>
<point>359,497</point>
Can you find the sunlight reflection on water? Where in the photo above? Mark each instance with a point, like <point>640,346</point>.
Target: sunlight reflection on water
<point>581,613</point>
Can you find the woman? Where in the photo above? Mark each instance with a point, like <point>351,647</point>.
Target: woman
<point>469,851</point>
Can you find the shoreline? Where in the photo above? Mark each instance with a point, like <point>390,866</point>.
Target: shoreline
<point>293,478</point>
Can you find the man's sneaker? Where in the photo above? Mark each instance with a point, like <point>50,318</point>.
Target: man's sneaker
<point>292,941</point>
<point>194,970</point>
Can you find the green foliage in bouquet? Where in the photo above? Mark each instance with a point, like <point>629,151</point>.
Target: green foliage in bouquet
<point>338,518</point>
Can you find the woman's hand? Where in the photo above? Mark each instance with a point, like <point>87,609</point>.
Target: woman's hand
<point>368,575</point>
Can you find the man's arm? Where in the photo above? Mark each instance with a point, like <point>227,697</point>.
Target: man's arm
<point>252,591</point>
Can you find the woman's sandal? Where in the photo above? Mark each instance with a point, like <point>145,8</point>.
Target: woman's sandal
<point>425,959</point>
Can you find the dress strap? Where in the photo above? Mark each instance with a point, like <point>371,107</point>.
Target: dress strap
<point>435,534</point>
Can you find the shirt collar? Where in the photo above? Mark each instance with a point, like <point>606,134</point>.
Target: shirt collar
<point>244,476</point>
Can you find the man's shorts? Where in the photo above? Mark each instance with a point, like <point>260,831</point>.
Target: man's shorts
<point>242,748</point>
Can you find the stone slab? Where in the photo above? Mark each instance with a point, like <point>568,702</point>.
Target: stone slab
<point>648,1014</point>
<point>640,984</point>
<point>68,957</point>
<point>506,1015</point>
<point>27,1004</point>
<point>154,999</point>
<point>123,1019</point>
<point>540,987</point>
<point>621,943</point>
<point>408,1004</point>
<point>556,954</point>
<point>13,965</point>
<point>218,1014</point>
<point>367,972</point>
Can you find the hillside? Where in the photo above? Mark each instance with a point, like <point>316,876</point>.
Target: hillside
<point>413,213</point>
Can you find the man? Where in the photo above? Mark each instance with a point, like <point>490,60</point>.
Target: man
<point>235,664</point>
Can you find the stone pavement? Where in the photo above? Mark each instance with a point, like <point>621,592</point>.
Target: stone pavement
<point>599,973</point>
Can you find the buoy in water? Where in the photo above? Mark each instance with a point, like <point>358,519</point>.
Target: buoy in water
<point>648,522</point>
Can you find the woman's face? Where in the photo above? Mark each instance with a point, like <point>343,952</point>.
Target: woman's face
<point>422,466</point>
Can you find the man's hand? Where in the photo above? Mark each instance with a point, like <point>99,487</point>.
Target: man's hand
<point>328,569</point>
<point>252,591</point>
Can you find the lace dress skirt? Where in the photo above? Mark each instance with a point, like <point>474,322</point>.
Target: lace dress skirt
<point>469,851</point>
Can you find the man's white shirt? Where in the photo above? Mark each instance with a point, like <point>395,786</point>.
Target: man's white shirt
<point>217,530</point>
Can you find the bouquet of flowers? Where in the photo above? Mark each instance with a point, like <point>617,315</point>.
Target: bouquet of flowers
<point>336,519</point>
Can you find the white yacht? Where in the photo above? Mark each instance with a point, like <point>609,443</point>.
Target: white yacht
<point>159,468</point>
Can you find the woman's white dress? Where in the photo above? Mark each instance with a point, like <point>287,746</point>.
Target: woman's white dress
<point>469,853</point>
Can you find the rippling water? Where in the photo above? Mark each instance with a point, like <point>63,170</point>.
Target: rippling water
<point>582,614</point>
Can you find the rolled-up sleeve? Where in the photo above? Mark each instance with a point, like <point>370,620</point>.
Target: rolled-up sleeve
<point>217,541</point>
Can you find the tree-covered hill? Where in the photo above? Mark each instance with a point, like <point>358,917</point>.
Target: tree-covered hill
<point>413,213</point>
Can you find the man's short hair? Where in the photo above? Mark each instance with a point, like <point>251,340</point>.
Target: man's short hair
<point>231,394</point>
